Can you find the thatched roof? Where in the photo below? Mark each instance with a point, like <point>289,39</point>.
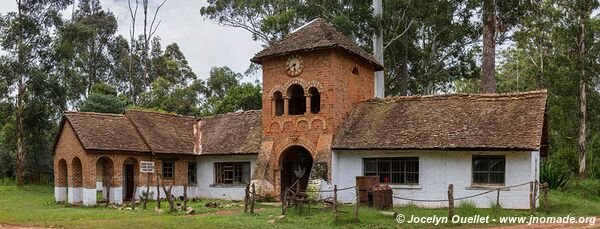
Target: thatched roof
<point>233,133</point>
<point>104,131</point>
<point>457,121</point>
<point>164,133</point>
<point>317,34</point>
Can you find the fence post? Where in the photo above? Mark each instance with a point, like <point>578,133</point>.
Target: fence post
<point>246,197</point>
<point>546,200</point>
<point>185,198</point>
<point>535,195</point>
<point>335,215</point>
<point>531,204</point>
<point>253,198</point>
<point>356,206</point>
<point>133,197</point>
<point>450,200</point>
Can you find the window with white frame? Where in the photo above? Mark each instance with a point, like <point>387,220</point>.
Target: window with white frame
<point>232,172</point>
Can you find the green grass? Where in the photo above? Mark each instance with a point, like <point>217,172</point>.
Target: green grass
<point>35,206</point>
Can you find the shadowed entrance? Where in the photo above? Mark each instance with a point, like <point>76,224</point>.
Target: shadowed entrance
<point>296,164</point>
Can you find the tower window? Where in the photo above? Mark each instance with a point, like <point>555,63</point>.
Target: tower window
<point>297,103</point>
<point>315,100</point>
<point>278,98</point>
<point>355,71</point>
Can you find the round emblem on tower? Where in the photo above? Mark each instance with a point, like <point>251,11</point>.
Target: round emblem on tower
<point>294,66</point>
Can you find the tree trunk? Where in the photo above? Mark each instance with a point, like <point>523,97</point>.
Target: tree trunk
<point>582,96</point>
<point>489,46</point>
<point>21,151</point>
<point>404,80</point>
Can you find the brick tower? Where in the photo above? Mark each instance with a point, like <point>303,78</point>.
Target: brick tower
<point>312,79</point>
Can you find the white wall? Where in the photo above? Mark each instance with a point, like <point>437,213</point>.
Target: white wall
<point>205,173</point>
<point>438,169</point>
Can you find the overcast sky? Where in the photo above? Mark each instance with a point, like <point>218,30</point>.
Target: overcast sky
<point>204,43</point>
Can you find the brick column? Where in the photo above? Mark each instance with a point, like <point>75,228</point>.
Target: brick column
<point>307,96</point>
<point>286,102</point>
<point>273,107</point>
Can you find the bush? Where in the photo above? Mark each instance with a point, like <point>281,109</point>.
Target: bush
<point>555,175</point>
<point>587,187</point>
<point>594,173</point>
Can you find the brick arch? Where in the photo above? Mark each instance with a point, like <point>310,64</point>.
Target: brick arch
<point>293,81</point>
<point>77,173</point>
<point>289,142</point>
<point>277,88</point>
<point>314,119</point>
<point>275,126</point>
<point>61,176</point>
<point>315,84</point>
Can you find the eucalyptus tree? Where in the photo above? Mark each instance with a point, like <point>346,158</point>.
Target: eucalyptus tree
<point>25,35</point>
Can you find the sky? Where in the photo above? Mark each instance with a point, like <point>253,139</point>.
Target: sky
<point>204,43</point>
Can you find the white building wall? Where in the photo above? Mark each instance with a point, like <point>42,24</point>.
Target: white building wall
<point>205,171</point>
<point>438,169</point>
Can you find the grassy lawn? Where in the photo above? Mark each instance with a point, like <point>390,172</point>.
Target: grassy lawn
<point>35,206</point>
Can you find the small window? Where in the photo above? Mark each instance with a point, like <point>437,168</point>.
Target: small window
<point>297,101</point>
<point>232,173</point>
<point>489,169</point>
<point>192,173</point>
<point>399,170</point>
<point>315,100</point>
<point>168,168</point>
<point>278,98</point>
<point>355,71</point>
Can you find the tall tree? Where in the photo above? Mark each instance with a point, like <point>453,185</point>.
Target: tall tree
<point>25,36</point>
<point>83,48</point>
<point>498,18</point>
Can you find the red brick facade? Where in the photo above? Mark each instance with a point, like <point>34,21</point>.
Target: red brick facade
<point>343,80</point>
<point>79,166</point>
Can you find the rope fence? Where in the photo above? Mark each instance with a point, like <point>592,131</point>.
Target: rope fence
<point>296,197</point>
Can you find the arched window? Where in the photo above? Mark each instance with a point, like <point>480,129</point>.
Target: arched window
<point>297,103</point>
<point>355,71</point>
<point>278,98</point>
<point>315,100</point>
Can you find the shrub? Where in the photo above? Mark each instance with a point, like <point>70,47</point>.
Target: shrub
<point>555,175</point>
<point>587,187</point>
<point>594,173</point>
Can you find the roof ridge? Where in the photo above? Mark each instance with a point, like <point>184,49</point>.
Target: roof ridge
<point>160,113</point>
<point>92,113</point>
<point>526,94</point>
<point>230,114</point>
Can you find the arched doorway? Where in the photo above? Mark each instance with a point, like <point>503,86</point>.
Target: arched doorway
<point>104,179</point>
<point>77,185</point>
<point>129,177</point>
<point>61,181</point>
<point>296,164</point>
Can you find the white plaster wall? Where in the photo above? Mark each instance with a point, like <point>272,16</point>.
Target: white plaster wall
<point>89,196</point>
<point>116,195</point>
<point>438,169</point>
<point>60,194</point>
<point>205,172</point>
<point>74,195</point>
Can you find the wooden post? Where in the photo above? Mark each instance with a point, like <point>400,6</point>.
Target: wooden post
<point>546,200</point>
<point>147,191</point>
<point>253,198</point>
<point>133,197</point>
<point>497,203</point>
<point>158,191</point>
<point>535,195</point>
<point>531,206</point>
<point>246,197</point>
<point>335,213</point>
<point>356,206</point>
<point>185,198</point>
<point>450,200</point>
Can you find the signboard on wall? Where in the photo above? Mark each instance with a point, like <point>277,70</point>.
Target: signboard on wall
<point>147,166</point>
